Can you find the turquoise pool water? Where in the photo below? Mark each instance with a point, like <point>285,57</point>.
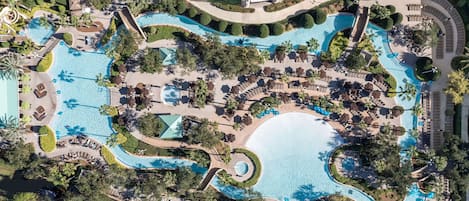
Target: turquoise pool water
<point>9,98</point>
<point>415,194</point>
<point>77,112</point>
<point>402,73</point>
<point>37,33</point>
<point>323,32</point>
<point>241,168</point>
<point>170,95</point>
<point>294,149</point>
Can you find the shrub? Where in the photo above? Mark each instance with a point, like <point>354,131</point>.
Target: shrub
<point>251,181</point>
<point>45,63</point>
<point>277,29</point>
<point>386,24</point>
<point>39,2</point>
<point>424,69</point>
<point>308,21</point>
<point>222,26</point>
<point>233,8</point>
<point>181,6</point>
<point>236,29</point>
<point>61,9</point>
<point>109,32</point>
<point>205,19</point>
<point>319,16</point>
<point>68,38</point>
<point>193,12</point>
<point>396,18</point>
<point>5,44</point>
<point>391,8</point>
<point>264,31</point>
<point>47,139</point>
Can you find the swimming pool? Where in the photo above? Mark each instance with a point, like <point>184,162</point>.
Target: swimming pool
<point>9,99</point>
<point>415,194</point>
<point>241,168</point>
<point>348,164</point>
<point>323,32</point>
<point>37,33</point>
<point>294,150</point>
<point>170,95</point>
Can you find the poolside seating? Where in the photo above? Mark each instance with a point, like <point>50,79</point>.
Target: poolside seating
<point>40,87</point>
<point>414,18</point>
<point>40,109</point>
<point>414,7</point>
<point>40,94</point>
<point>39,116</point>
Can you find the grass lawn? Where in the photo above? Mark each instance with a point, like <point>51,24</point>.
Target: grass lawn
<point>163,32</point>
<point>45,63</point>
<point>232,2</point>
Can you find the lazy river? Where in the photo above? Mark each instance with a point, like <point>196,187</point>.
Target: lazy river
<point>75,107</point>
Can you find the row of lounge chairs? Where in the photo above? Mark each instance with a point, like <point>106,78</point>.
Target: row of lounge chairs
<point>85,142</point>
<point>448,26</point>
<point>72,156</point>
<point>438,139</point>
<point>252,92</point>
<point>414,7</point>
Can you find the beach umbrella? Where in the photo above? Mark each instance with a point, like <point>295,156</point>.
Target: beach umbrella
<point>354,106</point>
<point>130,90</point>
<point>117,80</point>
<point>210,86</point>
<point>131,101</point>
<point>306,84</point>
<point>368,120</point>
<point>344,118</point>
<point>379,77</point>
<point>368,87</point>
<point>247,120</point>
<point>322,74</point>
<point>376,94</point>
<point>300,71</point>
<point>122,68</point>
<point>252,78</point>
<point>235,90</point>
<point>267,71</point>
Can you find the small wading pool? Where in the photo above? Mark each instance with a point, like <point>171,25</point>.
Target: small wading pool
<point>241,168</point>
<point>170,95</point>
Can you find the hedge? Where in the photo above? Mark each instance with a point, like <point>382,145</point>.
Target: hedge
<point>205,19</point>
<point>277,29</point>
<point>396,18</point>
<point>108,156</point>
<point>391,8</point>
<point>47,139</point>
<point>251,181</point>
<point>233,8</point>
<point>236,29</point>
<point>5,44</point>
<point>68,38</point>
<point>45,63</point>
<point>281,5</point>
<point>222,26</point>
<point>109,32</point>
<point>163,32</point>
<point>319,16</point>
<point>308,21</point>
<point>264,31</point>
<point>193,12</point>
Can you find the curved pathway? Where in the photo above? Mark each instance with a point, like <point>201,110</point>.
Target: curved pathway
<point>259,16</point>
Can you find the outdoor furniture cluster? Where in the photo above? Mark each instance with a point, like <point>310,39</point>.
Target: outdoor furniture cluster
<point>40,90</point>
<point>73,156</point>
<point>81,141</point>
<point>139,96</point>
<point>40,113</point>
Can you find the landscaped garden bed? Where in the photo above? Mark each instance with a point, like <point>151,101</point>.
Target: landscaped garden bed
<point>47,139</point>
<point>251,181</point>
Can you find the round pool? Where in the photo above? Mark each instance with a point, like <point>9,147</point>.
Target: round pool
<point>170,95</point>
<point>241,168</point>
<point>348,164</point>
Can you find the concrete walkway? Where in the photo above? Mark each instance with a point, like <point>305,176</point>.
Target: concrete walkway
<point>259,16</point>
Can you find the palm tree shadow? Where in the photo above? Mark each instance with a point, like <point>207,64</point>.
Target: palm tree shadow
<point>307,192</point>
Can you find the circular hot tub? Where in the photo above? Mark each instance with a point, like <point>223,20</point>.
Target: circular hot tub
<point>241,168</point>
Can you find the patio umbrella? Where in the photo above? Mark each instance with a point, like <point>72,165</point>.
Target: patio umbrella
<point>376,94</point>
<point>322,74</point>
<point>368,120</point>
<point>130,90</point>
<point>300,71</point>
<point>235,90</point>
<point>122,68</point>
<point>210,86</point>
<point>131,101</point>
<point>354,106</point>
<point>252,78</point>
<point>344,118</point>
<point>306,84</point>
<point>247,120</point>
<point>368,87</point>
<point>117,80</point>
<point>267,71</point>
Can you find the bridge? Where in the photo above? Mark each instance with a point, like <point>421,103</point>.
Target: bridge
<point>130,23</point>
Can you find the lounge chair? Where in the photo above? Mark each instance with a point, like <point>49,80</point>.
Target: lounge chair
<point>40,94</point>
<point>40,87</point>
<point>39,117</point>
<point>40,109</point>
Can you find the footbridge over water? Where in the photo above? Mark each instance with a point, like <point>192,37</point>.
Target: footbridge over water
<point>359,26</point>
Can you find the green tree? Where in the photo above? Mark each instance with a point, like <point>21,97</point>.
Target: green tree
<point>193,12</point>
<point>201,92</point>
<point>102,81</point>
<point>205,19</point>
<point>458,85</point>
<point>10,129</point>
<point>186,59</point>
<point>151,62</point>
<point>25,196</point>
<point>150,125</point>
<point>441,162</point>
<point>43,22</point>
<point>312,44</point>
<point>205,133</point>
<point>417,109</point>
<point>11,65</point>
<point>355,61</point>
<point>236,29</point>
<point>264,31</point>
<point>186,179</point>
<point>108,110</point>
<point>181,6</point>
<point>319,16</point>
<point>100,4</point>
<point>222,25</point>
<point>277,29</point>
<point>308,21</point>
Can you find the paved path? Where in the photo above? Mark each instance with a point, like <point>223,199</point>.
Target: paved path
<point>259,16</point>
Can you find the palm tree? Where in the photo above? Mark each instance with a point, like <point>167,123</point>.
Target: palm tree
<point>43,22</point>
<point>465,59</point>
<point>312,44</point>
<point>284,78</point>
<point>10,129</point>
<point>408,91</point>
<point>101,80</point>
<point>11,65</point>
<point>414,133</point>
<point>112,140</point>
<point>288,46</point>
<point>462,3</point>
<point>417,110</point>
<point>265,54</point>
<point>458,85</point>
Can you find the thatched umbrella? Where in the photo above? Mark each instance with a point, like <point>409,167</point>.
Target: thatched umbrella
<point>322,74</point>
<point>247,120</point>
<point>397,111</point>
<point>270,84</point>
<point>376,94</point>
<point>306,84</point>
<point>145,92</point>
<point>284,97</point>
<point>147,102</point>
<point>379,77</point>
<point>235,89</point>
<point>368,120</point>
<point>345,97</point>
<point>210,86</point>
<point>267,71</point>
<point>130,90</point>
<point>354,107</point>
<point>122,68</point>
<point>369,87</point>
<point>131,101</point>
<point>344,118</point>
<point>300,71</point>
<point>117,80</point>
<point>252,78</point>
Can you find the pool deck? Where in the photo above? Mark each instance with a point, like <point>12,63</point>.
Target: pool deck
<point>235,158</point>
